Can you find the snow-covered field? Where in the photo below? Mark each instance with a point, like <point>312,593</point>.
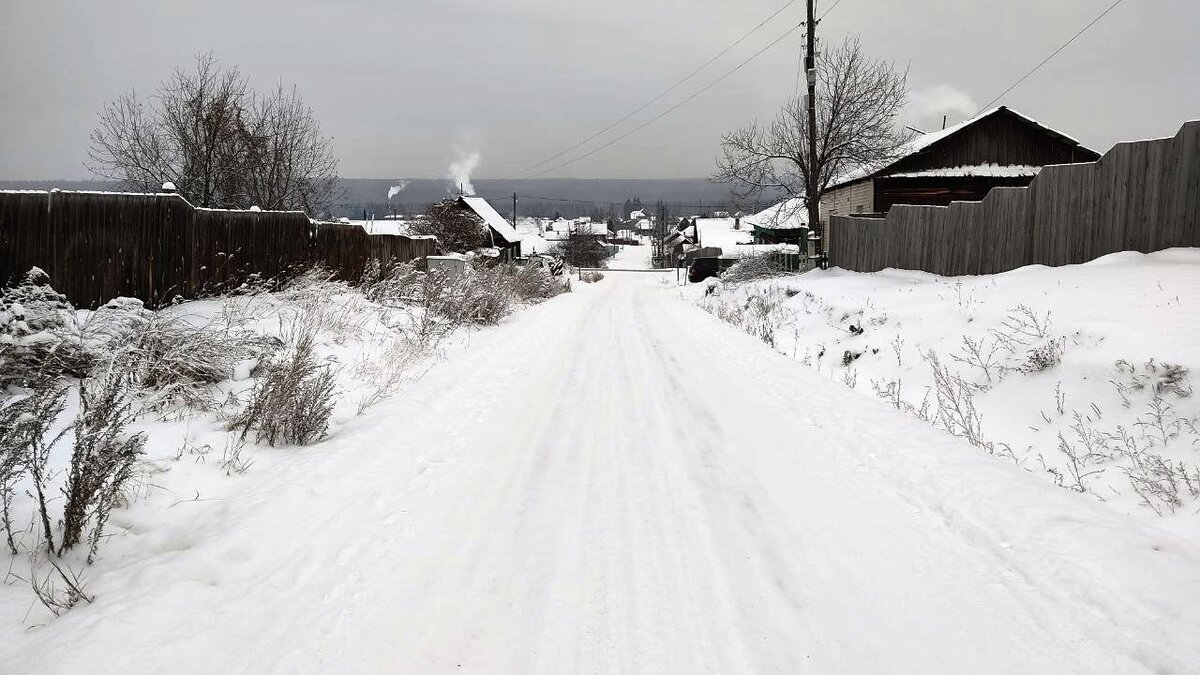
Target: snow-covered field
<point>1081,374</point>
<point>614,480</point>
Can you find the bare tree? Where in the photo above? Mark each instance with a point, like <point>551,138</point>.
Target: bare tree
<point>456,228</point>
<point>858,101</point>
<point>220,142</point>
<point>581,251</point>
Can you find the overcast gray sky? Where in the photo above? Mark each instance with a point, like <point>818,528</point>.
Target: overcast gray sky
<point>402,85</point>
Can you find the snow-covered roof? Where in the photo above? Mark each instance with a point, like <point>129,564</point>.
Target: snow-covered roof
<point>991,170</point>
<point>790,214</point>
<point>532,243</point>
<point>494,220</point>
<point>591,229</point>
<point>637,215</point>
<point>923,141</point>
<point>719,232</point>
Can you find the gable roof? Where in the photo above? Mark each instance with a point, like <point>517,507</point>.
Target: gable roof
<point>494,220</point>
<point>789,214</point>
<point>924,141</point>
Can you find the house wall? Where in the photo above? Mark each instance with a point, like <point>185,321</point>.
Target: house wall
<point>939,191</point>
<point>854,198</point>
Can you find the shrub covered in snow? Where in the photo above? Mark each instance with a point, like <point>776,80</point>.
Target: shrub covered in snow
<point>25,449</point>
<point>534,284</point>
<point>38,335</point>
<point>758,266</point>
<point>102,462</point>
<point>292,401</point>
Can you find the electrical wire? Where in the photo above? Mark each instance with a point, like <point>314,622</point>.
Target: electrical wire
<point>1047,59</point>
<point>684,101</point>
<point>670,110</point>
<point>668,90</point>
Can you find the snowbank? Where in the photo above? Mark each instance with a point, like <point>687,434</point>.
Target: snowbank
<point>1082,374</point>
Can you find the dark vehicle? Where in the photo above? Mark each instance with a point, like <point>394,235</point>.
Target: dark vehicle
<point>703,268</point>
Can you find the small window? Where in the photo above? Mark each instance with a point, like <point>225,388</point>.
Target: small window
<point>858,209</point>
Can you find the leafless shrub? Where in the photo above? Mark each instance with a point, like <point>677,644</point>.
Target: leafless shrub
<point>483,295</point>
<point>591,277</point>
<point>102,461</point>
<point>293,400</point>
<point>1077,467</point>
<point>231,458</point>
<point>956,410</point>
<point>325,305</point>
<point>1156,377</point>
<point>1162,484</point>
<point>61,595</point>
<point>392,286</point>
<point>1022,327</point>
<point>759,266</point>
<point>386,370</point>
<point>1042,357</point>
<point>850,378</point>
<point>176,360</point>
<point>760,314</point>
<point>889,391</point>
<point>897,344</point>
<point>1159,424</point>
<point>982,354</point>
<point>534,284</point>
<point>25,449</point>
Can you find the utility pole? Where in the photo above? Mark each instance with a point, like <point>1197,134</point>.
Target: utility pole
<point>815,250</point>
<point>514,209</point>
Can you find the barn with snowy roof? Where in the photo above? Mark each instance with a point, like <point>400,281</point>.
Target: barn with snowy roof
<point>1000,147</point>
<point>501,234</point>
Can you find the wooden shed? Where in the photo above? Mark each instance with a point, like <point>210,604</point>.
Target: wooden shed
<point>1000,147</point>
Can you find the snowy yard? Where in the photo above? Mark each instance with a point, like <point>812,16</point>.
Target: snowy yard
<point>1081,374</point>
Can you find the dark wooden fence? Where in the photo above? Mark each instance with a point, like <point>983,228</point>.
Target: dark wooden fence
<point>97,246</point>
<point>1141,196</point>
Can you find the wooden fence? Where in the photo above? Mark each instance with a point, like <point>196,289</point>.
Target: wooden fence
<point>97,246</point>
<point>1140,196</point>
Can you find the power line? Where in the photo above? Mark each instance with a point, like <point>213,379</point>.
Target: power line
<point>673,108</point>
<point>1047,59</point>
<point>826,12</point>
<point>668,90</point>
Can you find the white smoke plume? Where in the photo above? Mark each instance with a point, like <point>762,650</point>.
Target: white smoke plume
<point>927,105</point>
<point>397,188</point>
<point>460,172</point>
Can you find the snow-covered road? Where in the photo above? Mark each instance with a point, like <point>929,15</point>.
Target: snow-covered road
<point>615,481</point>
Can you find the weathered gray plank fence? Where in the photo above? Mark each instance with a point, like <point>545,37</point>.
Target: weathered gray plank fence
<point>97,246</point>
<point>1140,196</point>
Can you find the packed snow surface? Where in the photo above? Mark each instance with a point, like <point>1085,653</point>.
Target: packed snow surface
<point>617,481</point>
